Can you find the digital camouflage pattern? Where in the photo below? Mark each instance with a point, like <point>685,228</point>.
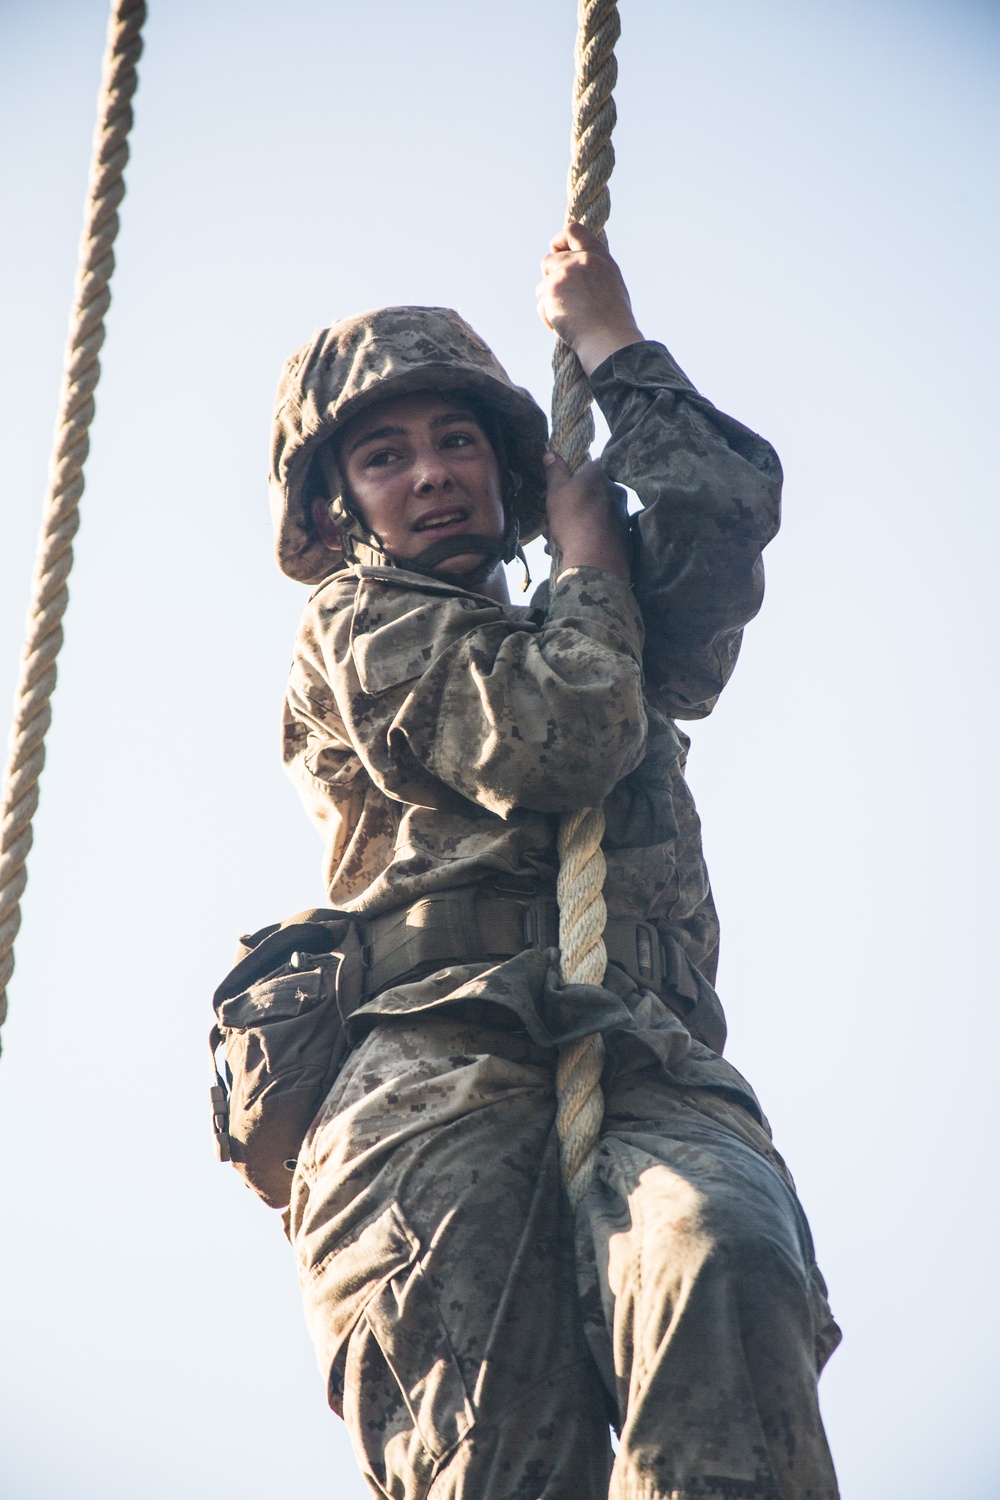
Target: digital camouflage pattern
<point>475,1340</point>
<point>463,1341</point>
<point>388,351</point>
<point>436,736</point>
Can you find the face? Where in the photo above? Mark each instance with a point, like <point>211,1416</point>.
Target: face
<point>419,469</point>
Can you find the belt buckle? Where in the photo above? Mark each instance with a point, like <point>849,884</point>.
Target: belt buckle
<point>538,931</point>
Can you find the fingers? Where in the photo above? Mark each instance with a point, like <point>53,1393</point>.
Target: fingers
<point>582,296</point>
<point>575,236</point>
<point>553,261</point>
<point>575,239</point>
<point>579,237</point>
<point>586,488</point>
<point>557,472</point>
<point>583,517</point>
<point>555,267</point>
<point>540,292</point>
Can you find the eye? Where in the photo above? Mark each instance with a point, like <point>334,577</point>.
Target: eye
<point>459,440</point>
<point>380,458</point>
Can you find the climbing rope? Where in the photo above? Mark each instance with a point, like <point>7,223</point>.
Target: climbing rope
<point>71,443</point>
<point>582,913</point>
<point>581,879</point>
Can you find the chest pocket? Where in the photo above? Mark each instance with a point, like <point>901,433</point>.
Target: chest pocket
<point>398,631</point>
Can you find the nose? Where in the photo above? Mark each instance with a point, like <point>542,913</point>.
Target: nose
<point>430,472</point>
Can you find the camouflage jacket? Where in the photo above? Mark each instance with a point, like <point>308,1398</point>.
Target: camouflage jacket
<point>436,736</point>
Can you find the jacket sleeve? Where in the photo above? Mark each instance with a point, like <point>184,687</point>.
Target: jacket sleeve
<point>710,490</point>
<point>329,774</point>
<point>443,695</point>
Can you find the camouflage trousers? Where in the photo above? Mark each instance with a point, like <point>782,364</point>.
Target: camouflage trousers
<point>477,1343</point>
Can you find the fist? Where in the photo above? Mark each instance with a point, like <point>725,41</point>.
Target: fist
<point>583,298</point>
<point>586,518</point>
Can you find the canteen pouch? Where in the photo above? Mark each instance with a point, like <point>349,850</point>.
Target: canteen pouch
<point>280,1023</point>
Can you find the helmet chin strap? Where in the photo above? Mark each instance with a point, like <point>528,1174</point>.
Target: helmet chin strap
<point>494,549</point>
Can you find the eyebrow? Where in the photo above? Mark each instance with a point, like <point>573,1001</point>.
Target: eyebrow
<point>394,431</point>
<point>377,435</point>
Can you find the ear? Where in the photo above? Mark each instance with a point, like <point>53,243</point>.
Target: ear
<point>327,527</point>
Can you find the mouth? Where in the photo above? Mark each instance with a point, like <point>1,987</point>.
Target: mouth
<point>444,519</point>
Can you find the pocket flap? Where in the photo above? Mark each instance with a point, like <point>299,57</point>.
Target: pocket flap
<point>337,1289</point>
<point>397,634</point>
<point>276,999</point>
<point>375,1274</point>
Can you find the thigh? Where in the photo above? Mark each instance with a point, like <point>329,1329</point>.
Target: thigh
<point>712,1314</point>
<point>693,1170</point>
<point>437,1268</point>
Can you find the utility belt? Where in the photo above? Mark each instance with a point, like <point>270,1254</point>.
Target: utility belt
<point>480,924</point>
<point>281,1011</point>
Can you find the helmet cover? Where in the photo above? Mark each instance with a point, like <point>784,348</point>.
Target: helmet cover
<point>390,351</point>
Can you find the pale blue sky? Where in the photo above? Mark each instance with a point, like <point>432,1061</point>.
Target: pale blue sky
<point>805,209</point>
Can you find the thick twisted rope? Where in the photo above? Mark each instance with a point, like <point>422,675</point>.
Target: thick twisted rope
<point>71,442</point>
<point>588,202</point>
<point>582,913</point>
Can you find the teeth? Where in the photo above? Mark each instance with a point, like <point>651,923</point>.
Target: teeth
<point>448,520</point>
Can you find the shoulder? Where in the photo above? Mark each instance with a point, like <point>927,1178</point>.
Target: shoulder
<point>330,598</point>
<point>390,593</point>
<point>386,626</point>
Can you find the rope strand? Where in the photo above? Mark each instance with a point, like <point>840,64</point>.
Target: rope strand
<point>582,913</point>
<point>70,445</point>
<point>588,202</point>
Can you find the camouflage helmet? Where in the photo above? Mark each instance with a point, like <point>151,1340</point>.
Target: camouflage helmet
<point>362,360</point>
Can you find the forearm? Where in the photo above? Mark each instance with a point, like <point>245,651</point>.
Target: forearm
<point>595,545</point>
<point>543,720</point>
<point>443,699</point>
<point>711,495</point>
